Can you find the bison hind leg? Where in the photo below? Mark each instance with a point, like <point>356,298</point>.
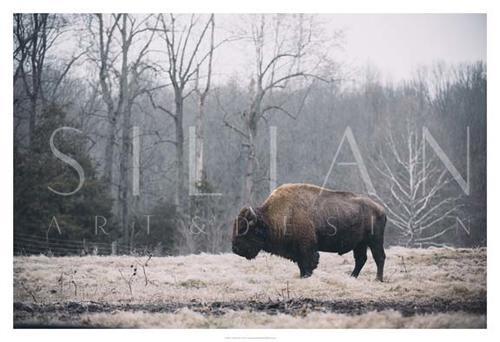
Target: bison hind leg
<point>378,254</point>
<point>359,258</point>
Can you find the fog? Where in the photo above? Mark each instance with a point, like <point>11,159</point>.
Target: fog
<point>184,119</point>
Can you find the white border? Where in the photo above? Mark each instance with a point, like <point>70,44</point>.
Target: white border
<point>228,6</point>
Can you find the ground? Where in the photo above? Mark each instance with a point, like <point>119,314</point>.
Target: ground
<point>423,288</point>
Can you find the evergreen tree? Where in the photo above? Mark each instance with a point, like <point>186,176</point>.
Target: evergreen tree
<point>42,216</point>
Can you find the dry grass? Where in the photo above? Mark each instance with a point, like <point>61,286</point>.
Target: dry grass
<point>413,275</point>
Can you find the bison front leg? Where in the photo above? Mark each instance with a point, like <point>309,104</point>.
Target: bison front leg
<point>308,261</point>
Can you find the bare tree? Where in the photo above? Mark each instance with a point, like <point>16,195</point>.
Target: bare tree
<point>120,89</point>
<point>281,44</point>
<point>420,204</point>
<point>186,54</point>
<point>35,35</point>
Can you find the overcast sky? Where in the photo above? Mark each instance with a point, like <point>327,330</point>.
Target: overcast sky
<point>396,44</point>
<point>393,44</point>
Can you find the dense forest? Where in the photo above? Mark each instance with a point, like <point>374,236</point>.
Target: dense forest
<point>127,139</point>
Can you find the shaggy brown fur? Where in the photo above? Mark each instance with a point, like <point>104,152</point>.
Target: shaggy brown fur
<point>299,220</point>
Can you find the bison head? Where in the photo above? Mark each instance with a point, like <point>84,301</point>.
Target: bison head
<point>248,234</point>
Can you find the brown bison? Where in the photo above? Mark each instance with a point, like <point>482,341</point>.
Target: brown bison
<point>297,221</point>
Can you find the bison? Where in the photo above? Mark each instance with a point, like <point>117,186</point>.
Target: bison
<point>297,221</point>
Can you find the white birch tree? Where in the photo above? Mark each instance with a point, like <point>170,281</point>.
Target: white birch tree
<point>420,203</point>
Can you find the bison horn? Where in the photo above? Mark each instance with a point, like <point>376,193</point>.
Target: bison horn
<point>252,212</point>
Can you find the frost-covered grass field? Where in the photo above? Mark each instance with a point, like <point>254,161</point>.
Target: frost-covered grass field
<point>423,288</point>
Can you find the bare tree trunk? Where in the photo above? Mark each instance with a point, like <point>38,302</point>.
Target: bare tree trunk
<point>124,185</point>
<point>104,46</point>
<point>109,154</point>
<point>252,126</point>
<point>200,142</point>
<point>200,118</point>
<point>251,164</point>
<point>34,80</point>
<point>125,108</point>
<point>179,150</point>
<point>37,56</point>
<point>32,118</point>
